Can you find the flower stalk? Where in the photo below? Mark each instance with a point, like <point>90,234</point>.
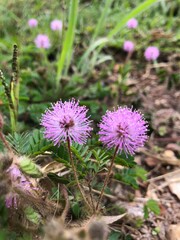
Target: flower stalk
<point>106,179</point>
<point>75,174</point>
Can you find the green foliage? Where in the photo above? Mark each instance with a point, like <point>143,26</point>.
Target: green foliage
<point>57,179</point>
<point>37,143</point>
<point>65,57</point>
<point>151,206</point>
<point>60,154</point>
<point>130,176</point>
<point>19,142</point>
<point>81,152</point>
<point>115,235</point>
<point>125,161</point>
<point>29,167</point>
<point>32,143</point>
<point>76,210</point>
<point>32,215</point>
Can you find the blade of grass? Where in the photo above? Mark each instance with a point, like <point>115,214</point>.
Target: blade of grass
<point>66,54</point>
<point>139,9</point>
<point>101,21</point>
<point>91,48</point>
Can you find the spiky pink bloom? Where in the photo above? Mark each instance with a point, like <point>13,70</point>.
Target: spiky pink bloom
<point>42,41</point>
<point>56,25</point>
<point>32,23</point>
<point>151,53</point>
<point>132,23</point>
<point>123,129</point>
<point>128,46</point>
<point>66,119</point>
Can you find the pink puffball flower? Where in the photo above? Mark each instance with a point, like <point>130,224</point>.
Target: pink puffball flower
<point>56,25</point>
<point>42,41</point>
<point>66,120</point>
<point>32,23</point>
<point>151,53</point>
<point>123,129</point>
<point>132,23</point>
<point>128,46</point>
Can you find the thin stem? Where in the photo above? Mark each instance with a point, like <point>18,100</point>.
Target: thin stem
<point>129,55</point>
<point>106,179</point>
<point>91,196</point>
<point>75,174</point>
<point>6,144</point>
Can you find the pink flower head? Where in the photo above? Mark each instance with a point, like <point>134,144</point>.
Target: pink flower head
<point>128,46</point>
<point>151,53</point>
<point>32,22</point>
<point>56,25</point>
<point>132,23</point>
<point>42,41</point>
<point>123,129</point>
<point>66,119</point>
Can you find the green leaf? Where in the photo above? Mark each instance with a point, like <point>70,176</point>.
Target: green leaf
<point>146,212</point>
<point>57,179</point>
<point>153,206</point>
<point>19,142</point>
<point>60,154</point>
<point>66,53</point>
<point>37,143</point>
<point>114,235</point>
<point>139,9</point>
<point>76,210</point>
<point>130,176</point>
<point>29,167</point>
<point>32,215</point>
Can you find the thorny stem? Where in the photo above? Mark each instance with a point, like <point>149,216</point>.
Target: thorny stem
<point>75,174</point>
<point>106,179</point>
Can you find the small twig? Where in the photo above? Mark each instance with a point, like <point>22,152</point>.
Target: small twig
<point>163,159</point>
<point>106,179</point>
<point>6,144</point>
<point>91,196</point>
<point>99,192</point>
<point>67,205</point>
<point>163,176</point>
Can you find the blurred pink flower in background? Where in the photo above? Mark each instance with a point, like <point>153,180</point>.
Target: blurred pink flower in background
<point>151,53</point>
<point>128,46</point>
<point>56,25</point>
<point>132,23</point>
<point>42,41</point>
<point>32,22</point>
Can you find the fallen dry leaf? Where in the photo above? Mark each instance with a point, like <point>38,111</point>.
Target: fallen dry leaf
<point>111,219</point>
<point>173,182</point>
<point>174,232</point>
